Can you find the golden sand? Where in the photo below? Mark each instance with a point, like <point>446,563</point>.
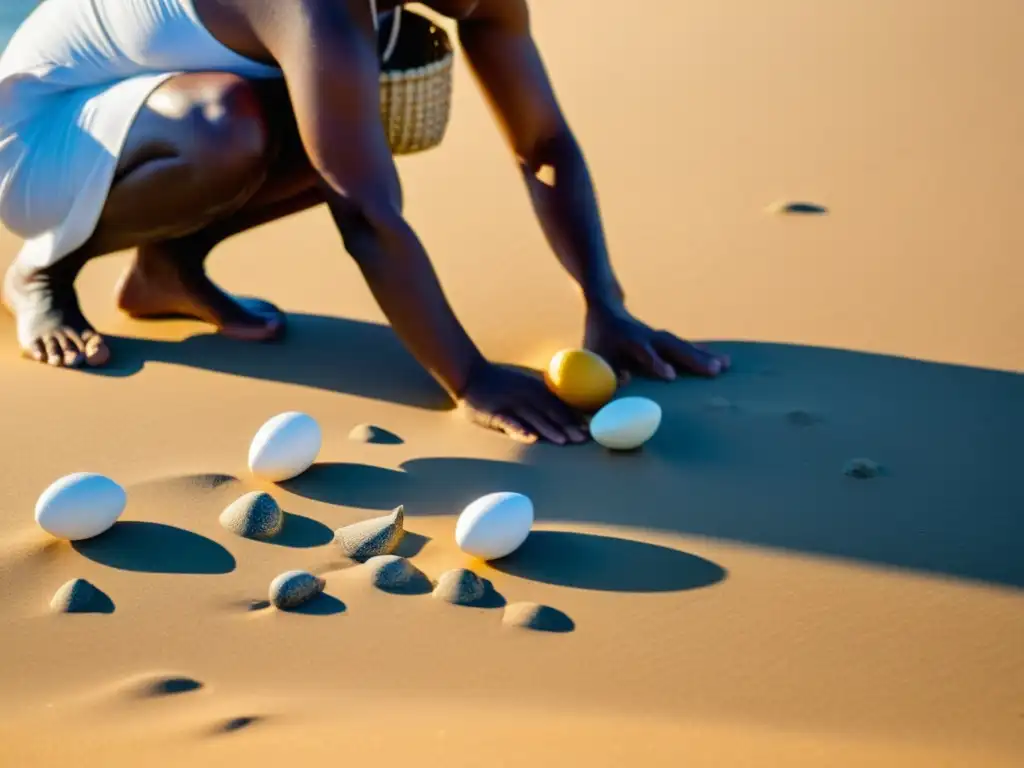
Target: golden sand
<point>736,599</point>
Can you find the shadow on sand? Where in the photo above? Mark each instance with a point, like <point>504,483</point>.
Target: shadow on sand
<point>766,470</point>
<point>372,362</point>
<point>156,548</point>
<point>607,563</point>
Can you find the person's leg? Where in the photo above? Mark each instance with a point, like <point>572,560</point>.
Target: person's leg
<point>167,277</point>
<point>207,157</point>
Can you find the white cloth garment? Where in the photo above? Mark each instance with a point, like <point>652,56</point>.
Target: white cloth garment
<point>72,80</point>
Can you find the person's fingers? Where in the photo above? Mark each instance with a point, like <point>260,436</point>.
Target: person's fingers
<point>649,362</point>
<point>688,357</point>
<point>563,418</point>
<point>536,421</point>
<point>724,359</point>
<point>514,428</point>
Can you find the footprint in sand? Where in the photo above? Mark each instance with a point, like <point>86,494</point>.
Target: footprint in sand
<point>160,686</point>
<point>235,724</point>
<point>797,208</point>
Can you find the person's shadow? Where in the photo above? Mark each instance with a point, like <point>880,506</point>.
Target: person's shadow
<point>756,456</point>
<point>329,353</point>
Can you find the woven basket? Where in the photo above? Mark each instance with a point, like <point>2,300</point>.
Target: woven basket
<point>416,86</point>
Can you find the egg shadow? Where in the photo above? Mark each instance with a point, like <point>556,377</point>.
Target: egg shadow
<point>147,547</point>
<point>352,485</point>
<point>301,532</point>
<point>607,564</point>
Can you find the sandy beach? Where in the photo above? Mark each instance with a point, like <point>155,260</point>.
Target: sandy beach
<point>735,598</point>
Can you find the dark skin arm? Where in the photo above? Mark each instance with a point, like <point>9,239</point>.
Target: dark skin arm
<point>327,52</point>
<point>508,66</point>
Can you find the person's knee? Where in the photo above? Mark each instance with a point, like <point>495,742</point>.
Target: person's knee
<point>230,142</point>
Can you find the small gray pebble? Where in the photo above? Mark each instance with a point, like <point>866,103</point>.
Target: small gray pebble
<point>292,589</point>
<point>80,596</point>
<point>370,538</point>
<point>392,573</point>
<point>460,587</point>
<point>862,469</point>
<point>540,618</point>
<point>255,516</point>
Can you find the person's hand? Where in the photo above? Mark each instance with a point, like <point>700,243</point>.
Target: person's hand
<point>519,405</point>
<point>629,346</point>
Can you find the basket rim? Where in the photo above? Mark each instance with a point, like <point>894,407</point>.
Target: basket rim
<point>418,24</point>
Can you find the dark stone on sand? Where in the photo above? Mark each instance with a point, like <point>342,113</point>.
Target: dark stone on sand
<point>370,538</point>
<point>800,418</point>
<point>862,469</point>
<point>461,587</point>
<point>799,208</point>
<point>539,618</point>
<point>255,515</point>
<point>80,596</point>
<point>292,589</point>
<point>391,573</point>
<point>368,433</point>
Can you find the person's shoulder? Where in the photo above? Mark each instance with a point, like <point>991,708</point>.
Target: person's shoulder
<point>335,25</point>
<point>512,14</point>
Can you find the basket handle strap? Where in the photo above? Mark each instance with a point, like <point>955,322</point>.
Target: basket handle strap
<point>395,27</point>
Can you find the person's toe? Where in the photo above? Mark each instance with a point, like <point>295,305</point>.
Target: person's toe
<point>70,355</point>
<point>54,354</point>
<point>269,317</point>
<point>95,348</point>
<point>37,351</point>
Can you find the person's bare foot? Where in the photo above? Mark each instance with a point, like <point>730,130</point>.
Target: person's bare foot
<point>164,282</point>
<point>51,327</point>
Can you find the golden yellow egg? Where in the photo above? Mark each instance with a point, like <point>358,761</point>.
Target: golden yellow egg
<point>581,378</point>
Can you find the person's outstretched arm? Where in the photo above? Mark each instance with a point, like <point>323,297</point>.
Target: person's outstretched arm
<point>506,62</point>
<point>327,53</point>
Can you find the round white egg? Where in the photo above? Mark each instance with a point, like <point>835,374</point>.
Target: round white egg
<point>495,525</point>
<point>80,506</point>
<point>284,447</point>
<point>626,424</point>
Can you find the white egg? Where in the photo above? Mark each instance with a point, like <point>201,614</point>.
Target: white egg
<point>284,447</point>
<point>495,525</point>
<point>80,506</point>
<point>626,423</point>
